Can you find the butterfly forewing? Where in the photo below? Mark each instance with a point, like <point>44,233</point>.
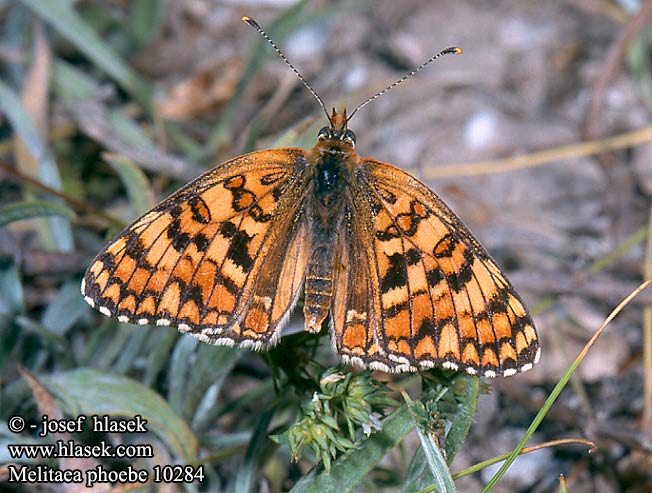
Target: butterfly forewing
<point>194,260</point>
<point>439,298</point>
<point>276,291</point>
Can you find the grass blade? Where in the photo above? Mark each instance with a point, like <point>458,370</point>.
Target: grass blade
<point>558,388</point>
<point>11,289</point>
<point>25,127</point>
<point>65,309</point>
<point>179,369</point>
<point>280,28</point>
<point>463,418</point>
<point>211,367</point>
<point>245,477</point>
<point>141,196</point>
<point>27,209</point>
<point>72,27</point>
<point>441,476</point>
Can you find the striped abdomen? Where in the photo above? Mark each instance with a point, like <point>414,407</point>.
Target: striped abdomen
<point>318,286</point>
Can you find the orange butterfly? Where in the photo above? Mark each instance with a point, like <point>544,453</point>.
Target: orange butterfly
<point>406,284</point>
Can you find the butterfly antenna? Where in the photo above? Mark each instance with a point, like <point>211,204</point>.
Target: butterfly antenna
<point>448,51</point>
<point>248,20</point>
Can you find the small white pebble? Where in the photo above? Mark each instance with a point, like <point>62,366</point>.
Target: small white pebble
<point>480,130</point>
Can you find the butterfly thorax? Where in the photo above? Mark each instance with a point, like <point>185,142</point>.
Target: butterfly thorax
<point>331,163</point>
<point>330,174</point>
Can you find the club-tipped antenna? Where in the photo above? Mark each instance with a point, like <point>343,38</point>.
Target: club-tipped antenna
<point>453,50</point>
<point>248,20</point>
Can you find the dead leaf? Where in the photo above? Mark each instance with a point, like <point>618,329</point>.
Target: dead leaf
<point>47,406</point>
<point>35,100</point>
<point>208,88</point>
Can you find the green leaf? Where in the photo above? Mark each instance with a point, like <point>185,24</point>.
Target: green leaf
<point>180,366</point>
<point>87,391</point>
<point>466,389</point>
<point>141,196</point>
<point>244,479</point>
<point>196,375</point>
<point>113,343</point>
<point>70,83</point>
<point>15,23</point>
<point>129,130</point>
<point>158,351</point>
<point>146,19</point>
<point>461,422</point>
<point>27,209</point>
<point>72,27</point>
<point>9,438</point>
<point>347,471</point>
<point>65,309</point>
<point>418,476</point>
<point>442,480</point>
<point>55,342</point>
<point>127,357</point>
<point>24,126</point>
<point>99,338</point>
<point>11,303</point>
<point>211,367</point>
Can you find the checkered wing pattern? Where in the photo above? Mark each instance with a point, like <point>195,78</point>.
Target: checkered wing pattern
<point>223,258</point>
<point>437,299</point>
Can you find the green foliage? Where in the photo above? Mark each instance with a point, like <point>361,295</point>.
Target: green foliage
<point>32,208</point>
<point>89,392</point>
<point>75,29</point>
<point>350,469</point>
<point>329,421</point>
<point>431,430</point>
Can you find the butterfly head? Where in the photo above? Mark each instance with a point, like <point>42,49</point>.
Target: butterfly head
<point>337,134</point>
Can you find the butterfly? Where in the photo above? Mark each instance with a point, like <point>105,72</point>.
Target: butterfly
<point>402,282</point>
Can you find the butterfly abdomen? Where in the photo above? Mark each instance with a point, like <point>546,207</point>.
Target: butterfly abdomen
<point>318,287</point>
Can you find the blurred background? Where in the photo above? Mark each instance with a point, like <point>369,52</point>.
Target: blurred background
<point>538,136</point>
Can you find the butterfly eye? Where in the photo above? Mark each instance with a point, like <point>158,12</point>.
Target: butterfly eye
<point>324,134</point>
<point>349,137</point>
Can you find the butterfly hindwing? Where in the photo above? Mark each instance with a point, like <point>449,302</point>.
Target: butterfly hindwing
<point>439,298</point>
<point>194,260</point>
<point>352,327</point>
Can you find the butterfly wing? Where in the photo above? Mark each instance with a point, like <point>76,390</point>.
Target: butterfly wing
<point>276,291</point>
<point>437,296</point>
<point>198,260</point>
<point>352,318</point>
